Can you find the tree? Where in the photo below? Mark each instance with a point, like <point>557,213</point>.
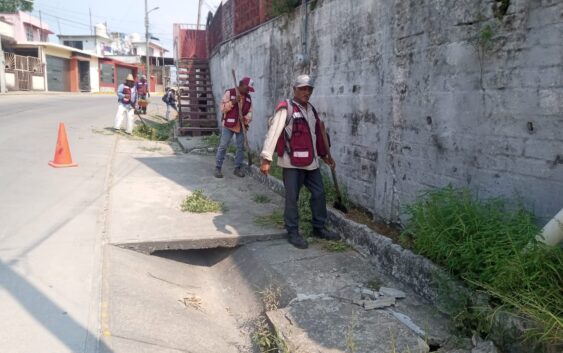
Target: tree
<point>15,5</point>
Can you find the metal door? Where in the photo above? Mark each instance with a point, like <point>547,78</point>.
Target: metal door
<point>122,74</point>
<point>84,73</point>
<point>58,74</point>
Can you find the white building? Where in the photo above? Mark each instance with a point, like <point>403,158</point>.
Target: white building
<point>98,44</point>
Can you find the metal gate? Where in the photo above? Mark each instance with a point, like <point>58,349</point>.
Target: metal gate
<point>84,74</point>
<point>122,74</point>
<point>23,68</point>
<point>58,74</point>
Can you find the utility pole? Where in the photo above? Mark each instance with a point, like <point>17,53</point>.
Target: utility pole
<point>93,32</point>
<point>41,27</point>
<point>147,60</point>
<point>2,71</point>
<point>199,13</point>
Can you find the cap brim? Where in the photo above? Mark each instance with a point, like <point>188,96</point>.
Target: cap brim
<point>304,85</point>
<point>250,89</point>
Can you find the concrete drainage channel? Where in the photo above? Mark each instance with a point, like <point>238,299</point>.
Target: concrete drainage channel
<point>314,301</point>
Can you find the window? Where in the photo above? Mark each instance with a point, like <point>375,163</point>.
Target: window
<point>29,33</point>
<point>74,44</point>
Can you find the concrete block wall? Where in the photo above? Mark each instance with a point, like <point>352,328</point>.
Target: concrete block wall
<point>420,94</point>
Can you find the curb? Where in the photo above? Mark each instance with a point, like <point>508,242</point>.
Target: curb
<point>425,278</point>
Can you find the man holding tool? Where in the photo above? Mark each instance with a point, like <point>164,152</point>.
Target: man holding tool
<point>236,107</point>
<point>296,136</point>
<point>126,98</point>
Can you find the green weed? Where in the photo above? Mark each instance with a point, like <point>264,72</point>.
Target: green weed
<point>261,198</point>
<point>274,219</point>
<point>198,202</point>
<point>154,131</point>
<point>494,249</point>
<point>336,246</point>
<point>281,7</point>
<point>212,140</point>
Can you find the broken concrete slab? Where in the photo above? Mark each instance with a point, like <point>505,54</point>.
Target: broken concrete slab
<point>190,143</point>
<point>149,186</point>
<point>335,327</point>
<point>312,271</point>
<point>379,303</point>
<point>392,292</point>
<point>351,294</point>
<point>369,294</point>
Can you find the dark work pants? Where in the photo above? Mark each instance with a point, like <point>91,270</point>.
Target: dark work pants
<point>293,180</point>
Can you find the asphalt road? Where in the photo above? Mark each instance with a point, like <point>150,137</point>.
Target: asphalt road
<point>52,222</point>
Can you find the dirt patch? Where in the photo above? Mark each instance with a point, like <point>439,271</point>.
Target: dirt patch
<point>389,230</point>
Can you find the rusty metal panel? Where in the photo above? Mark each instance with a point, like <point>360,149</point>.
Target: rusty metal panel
<point>191,42</point>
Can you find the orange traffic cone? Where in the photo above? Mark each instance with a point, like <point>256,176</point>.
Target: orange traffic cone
<point>62,151</point>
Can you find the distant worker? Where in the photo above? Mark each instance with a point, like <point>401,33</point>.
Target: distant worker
<point>169,98</point>
<point>295,136</point>
<point>232,126</point>
<point>142,93</point>
<point>126,98</point>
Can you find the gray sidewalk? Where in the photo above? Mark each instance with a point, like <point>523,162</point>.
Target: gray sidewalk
<point>201,292</point>
<point>151,180</point>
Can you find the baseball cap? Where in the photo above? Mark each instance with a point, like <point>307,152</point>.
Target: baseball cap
<point>247,81</point>
<point>303,80</point>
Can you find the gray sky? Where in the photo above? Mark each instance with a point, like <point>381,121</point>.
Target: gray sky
<point>72,17</point>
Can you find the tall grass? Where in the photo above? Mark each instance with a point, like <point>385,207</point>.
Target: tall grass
<point>493,248</point>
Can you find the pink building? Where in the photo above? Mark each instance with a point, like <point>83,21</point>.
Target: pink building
<point>27,28</point>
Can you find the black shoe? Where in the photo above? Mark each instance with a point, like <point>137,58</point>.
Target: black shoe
<point>325,234</point>
<point>297,240</point>
<point>218,173</point>
<point>238,172</point>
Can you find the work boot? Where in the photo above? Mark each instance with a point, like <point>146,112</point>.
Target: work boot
<point>239,172</point>
<point>218,173</point>
<point>297,240</point>
<point>325,234</point>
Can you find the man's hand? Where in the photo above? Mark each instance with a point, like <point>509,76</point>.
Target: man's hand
<point>265,167</point>
<point>229,106</point>
<point>246,121</point>
<point>329,161</point>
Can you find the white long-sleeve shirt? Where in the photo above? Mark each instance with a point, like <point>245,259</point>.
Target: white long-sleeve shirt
<point>276,129</point>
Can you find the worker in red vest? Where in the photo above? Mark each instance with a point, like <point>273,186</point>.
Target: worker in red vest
<point>142,92</point>
<point>231,124</point>
<point>126,98</point>
<point>295,136</point>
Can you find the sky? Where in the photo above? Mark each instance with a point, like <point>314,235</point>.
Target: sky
<point>128,16</point>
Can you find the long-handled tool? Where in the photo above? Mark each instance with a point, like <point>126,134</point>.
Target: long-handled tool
<point>242,125</point>
<point>140,118</point>
<point>338,204</point>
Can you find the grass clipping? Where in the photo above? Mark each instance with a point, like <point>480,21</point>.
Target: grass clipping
<point>154,131</point>
<point>493,248</point>
<point>198,202</point>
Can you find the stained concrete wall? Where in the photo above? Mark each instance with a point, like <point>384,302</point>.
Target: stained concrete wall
<point>420,94</point>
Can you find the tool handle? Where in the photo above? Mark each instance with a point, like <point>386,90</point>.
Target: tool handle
<point>240,118</point>
<point>332,170</point>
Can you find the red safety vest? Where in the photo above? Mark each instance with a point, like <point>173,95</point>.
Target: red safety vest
<point>299,146</point>
<point>231,117</point>
<point>142,87</point>
<point>126,90</point>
